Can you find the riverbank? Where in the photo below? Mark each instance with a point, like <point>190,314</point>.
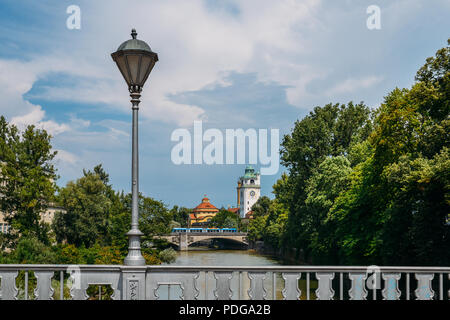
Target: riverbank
<point>286,257</point>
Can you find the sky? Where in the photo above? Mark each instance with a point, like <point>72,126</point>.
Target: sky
<point>253,64</point>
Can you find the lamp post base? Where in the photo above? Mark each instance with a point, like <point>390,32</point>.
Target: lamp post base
<point>134,257</point>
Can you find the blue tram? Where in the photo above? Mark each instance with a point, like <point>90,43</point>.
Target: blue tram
<point>204,230</point>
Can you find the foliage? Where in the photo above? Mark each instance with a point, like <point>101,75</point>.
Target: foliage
<point>27,180</point>
<point>256,228</point>
<point>180,215</point>
<point>261,207</point>
<point>168,255</point>
<point>269,225</point>
<point>225,219</point>
<point>328,131</point>
<point>87,206</point>
<point>372,189</point>
<point>30,250</point>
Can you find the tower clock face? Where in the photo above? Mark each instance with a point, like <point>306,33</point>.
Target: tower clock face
<point>252,194</point>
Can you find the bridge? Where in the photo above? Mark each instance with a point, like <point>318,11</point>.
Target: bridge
<point>183,240</point>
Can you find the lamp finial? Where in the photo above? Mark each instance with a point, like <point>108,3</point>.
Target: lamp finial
<point>133,33</point>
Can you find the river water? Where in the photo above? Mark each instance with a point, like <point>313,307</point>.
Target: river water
<point>223,258</point>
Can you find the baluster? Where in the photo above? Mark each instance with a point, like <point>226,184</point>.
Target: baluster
<point>341,286</point>
<point>358,290</point>
<point>424,290</point>
<point>206,285</point>
<point>307,286</point>
<point>391,290</point>
<point>291,290</point>
<point>8,290</point>
<point>441,286</point>
<point>257,290</point>
<point>26,285</point>
<point>407,286</point>
<point>274,286</point>
<point>223,285</point>
<point>61,285</point>
<point>189,290</point>
<point>325,290</point>
<point>44,290</point>
<point>240,285</point>
<point>375,284</point>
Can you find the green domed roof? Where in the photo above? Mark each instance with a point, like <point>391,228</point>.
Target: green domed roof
<point>250,172</point>
<point>134,44</point>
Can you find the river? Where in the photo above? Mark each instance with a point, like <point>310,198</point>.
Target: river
<point>223,258</point>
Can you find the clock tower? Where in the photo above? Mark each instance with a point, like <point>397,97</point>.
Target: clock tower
<point>248,190</point>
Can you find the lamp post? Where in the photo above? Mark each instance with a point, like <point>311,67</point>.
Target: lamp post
<point>135,60</point>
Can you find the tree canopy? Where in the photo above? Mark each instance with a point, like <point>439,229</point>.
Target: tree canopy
<point>369,186</point>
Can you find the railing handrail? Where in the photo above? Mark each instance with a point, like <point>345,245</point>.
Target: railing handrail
<point>60,267</point>
<point>277,268</point>
<point>303,268</point>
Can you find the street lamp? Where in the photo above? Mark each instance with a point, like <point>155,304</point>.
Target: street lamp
<point>135,60</point>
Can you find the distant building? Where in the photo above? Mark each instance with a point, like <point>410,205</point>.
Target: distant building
<point>234,210</point>
<point>248,191</point>
<point>202,214</point>
<point>248,217</point>
<point>46,217</point>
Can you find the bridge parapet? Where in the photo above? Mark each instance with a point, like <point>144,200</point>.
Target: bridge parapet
<point>224,283</point>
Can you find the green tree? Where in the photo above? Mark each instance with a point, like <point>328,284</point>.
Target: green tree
<point>87,206</point>
<point>331,177</point>
<point>155,218</point>
<point>230,222</point>
<point>27,180</point>
<point>274,229</point>
<point>30,250</point>
<point>255,228</point>
<point>261,207</point>
<point>396,208</point>
<point>327,131</point>
<point>180,215</point>
<point>224,218</point>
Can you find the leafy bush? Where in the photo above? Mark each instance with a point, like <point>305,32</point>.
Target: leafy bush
<point>168,255</point>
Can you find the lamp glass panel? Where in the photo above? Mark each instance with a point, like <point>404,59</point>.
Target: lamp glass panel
<point>120,60</point>
<point>149,69</point>
<point>145,64</point>
<point>133,64</point>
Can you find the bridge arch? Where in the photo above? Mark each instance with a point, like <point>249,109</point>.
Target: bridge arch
<point>184,240</point>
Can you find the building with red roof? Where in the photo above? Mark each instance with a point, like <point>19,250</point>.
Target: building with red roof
<point>202,214</point>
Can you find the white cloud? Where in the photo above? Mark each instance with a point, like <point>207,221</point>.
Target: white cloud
<point>195,45</point>
<point>354,84</point>
<point>65,157</point>
<point>35,117</point>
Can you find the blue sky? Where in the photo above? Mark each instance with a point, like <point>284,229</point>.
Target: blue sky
<point>232,64</point>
